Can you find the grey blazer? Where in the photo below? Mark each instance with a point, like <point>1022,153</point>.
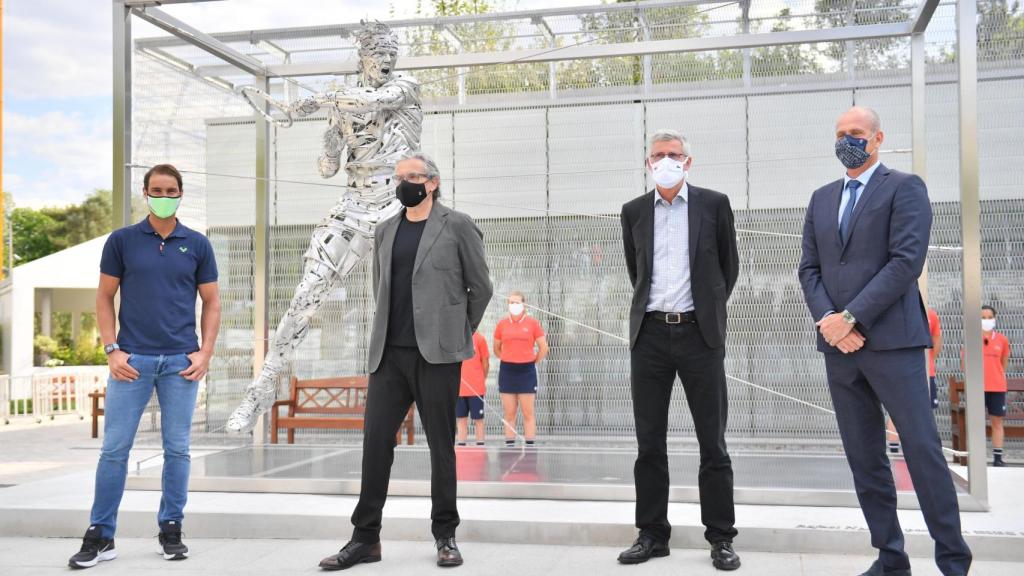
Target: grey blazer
<point>451,286</point>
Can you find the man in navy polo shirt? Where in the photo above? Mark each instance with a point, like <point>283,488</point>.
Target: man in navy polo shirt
<point>159,266</point>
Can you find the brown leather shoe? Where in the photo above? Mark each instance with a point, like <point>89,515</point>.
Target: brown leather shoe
<point>351,554</point>
<point>448,554</point>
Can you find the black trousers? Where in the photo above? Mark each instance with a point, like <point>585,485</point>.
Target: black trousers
<point>405,377</point>
<point>861,384</point>
<point>662,352</point>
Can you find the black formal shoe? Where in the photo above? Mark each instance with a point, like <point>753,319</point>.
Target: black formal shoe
<point>448,554</point>
<point>351,554</point>
<point>643,549</point>
<point>877,570</point>
<point>724,557</point>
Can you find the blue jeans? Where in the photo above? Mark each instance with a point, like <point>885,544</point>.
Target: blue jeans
<point>124,405</point>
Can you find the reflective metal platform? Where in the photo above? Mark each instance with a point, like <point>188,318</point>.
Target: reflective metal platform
<point>571,473</point>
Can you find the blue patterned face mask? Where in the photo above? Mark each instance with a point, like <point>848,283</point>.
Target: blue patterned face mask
<point>852,152</point>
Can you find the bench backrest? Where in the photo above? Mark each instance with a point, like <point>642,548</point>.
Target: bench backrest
<point>343,396</point>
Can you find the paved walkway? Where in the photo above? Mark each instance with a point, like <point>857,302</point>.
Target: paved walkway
<point>38,556</point>
<point>34,451</point>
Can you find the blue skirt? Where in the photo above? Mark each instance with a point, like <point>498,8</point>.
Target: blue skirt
<point>517,378</point>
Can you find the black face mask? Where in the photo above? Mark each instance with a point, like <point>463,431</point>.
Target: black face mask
<point>410,194</point>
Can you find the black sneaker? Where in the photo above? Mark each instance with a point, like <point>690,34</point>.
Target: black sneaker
<point>170,541</point>
<point>95,549</point>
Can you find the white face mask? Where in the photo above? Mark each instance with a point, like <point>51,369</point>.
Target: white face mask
<point>667,172</point>
<point>516,308</point>
<point>988,324</point>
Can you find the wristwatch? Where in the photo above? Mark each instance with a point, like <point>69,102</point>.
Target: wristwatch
<point>848,318</point>
<point>109,348</point>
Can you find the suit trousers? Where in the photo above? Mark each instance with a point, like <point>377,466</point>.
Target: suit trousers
<point>861,384</point>
<point>402,378</point>
<point>662,352</point>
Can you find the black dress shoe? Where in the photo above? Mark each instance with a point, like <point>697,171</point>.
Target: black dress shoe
<point>448,554</point>
<point>351,554</point>
<point>724,557</point>
<point>643,550</point>
<point>877,570</point>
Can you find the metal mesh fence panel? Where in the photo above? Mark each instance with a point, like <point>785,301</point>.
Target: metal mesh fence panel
<point>543,155</point>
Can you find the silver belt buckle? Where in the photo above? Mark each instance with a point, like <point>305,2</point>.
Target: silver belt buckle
<point>673,318</point>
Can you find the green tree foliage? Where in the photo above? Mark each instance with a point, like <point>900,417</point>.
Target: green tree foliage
<point>486,36</point>
<point>879,53</point>
<point>1000,31</point>
<point>34,233</point>
<point>784,60</point>
<point>42,232</point>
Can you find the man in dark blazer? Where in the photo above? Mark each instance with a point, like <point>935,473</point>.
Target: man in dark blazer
<point>432,287</point>
<point>680,245</point>
<point>864,245</point>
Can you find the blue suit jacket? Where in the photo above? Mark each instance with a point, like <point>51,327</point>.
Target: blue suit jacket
<point>874,275</point>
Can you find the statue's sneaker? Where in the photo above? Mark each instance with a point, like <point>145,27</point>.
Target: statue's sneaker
<point>256,402</point>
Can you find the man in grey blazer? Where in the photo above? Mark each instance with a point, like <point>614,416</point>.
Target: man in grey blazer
<point>432,287</point>
<point>864,245</point>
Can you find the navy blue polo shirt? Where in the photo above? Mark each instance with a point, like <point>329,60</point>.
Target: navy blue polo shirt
<point>160,279</point>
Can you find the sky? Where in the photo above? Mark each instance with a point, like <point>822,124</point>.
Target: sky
<point>57,79</point>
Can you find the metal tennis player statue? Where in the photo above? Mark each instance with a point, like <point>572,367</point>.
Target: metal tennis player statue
<point>373,125</point>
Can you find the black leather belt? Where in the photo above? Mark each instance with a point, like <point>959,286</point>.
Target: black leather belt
<point>674,317</point>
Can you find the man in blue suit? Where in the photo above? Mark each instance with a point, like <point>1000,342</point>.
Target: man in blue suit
<point>864,245</point>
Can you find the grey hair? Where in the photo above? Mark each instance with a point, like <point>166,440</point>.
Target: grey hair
<point>428,164</point>
<point>666,135</point>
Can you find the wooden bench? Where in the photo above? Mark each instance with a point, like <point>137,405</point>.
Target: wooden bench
<point>1013,422</point>
<point>332,403</point>
<point>97,410</point>
<point>100,395</point>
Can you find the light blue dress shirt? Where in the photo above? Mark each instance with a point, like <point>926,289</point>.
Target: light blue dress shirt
<point>863,179</point>
<point>670,278</point>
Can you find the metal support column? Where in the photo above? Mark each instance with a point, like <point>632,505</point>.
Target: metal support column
<point>745,19</point>
<point>917,102</point>
<point>121,176</point>
<point>261,247</point>
<point>970,230</point>
<point>646,61</point>
<point>917,139</point>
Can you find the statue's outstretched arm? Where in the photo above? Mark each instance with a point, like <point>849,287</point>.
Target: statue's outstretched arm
<point>359,99</point>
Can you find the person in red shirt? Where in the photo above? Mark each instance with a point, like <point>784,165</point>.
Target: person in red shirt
<point>471,392</point>
<point>520,343</point>
<point>996,351</point>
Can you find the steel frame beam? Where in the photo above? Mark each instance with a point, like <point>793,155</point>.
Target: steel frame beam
<point>590,51</point>
<point>122,115</point>
<point>923,16</point>
<point>201,40</point>
<point>145,3</point>
<point>346,29</point>
<point>970,239</point>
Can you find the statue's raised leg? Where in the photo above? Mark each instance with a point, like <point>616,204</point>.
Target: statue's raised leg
<point>336,247</point>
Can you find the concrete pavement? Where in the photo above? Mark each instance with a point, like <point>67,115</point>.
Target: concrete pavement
<point>47,556</point>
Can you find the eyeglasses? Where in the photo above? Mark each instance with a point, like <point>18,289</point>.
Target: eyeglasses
<point>160,194</point>
<point>413,177</point>
<point>661,156</point>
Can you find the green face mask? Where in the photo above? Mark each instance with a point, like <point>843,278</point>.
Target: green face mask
<point>163,207</point>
